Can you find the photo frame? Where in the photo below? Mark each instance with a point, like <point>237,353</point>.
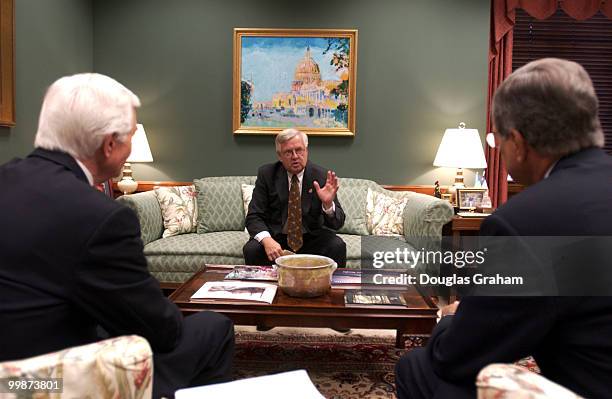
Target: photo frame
<point>294,78</point>
<point>470,198</point>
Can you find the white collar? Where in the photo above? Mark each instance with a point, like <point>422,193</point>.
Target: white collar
<point>300,176</point>
<point>86,171</point>
<point>550,169</point>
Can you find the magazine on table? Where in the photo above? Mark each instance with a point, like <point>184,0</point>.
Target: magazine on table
<point>246,291</point>
<point>343,278</point>
<point>383,298</point>
<point>346,276</point>
<point>264,273</point>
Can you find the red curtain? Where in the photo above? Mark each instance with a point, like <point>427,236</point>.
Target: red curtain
<point>500,63</point>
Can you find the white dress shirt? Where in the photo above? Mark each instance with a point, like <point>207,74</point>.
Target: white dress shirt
<point>88,174</point>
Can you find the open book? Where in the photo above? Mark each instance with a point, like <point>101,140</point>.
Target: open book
<point>236,291</point>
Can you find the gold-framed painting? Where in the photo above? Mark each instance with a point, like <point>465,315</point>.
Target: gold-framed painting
<point>294,78</point>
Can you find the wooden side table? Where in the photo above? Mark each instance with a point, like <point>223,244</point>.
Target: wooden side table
<point>457,228</point>
<point>462,226</point>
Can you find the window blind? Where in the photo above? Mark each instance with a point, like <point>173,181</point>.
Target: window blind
<point>587,42</point>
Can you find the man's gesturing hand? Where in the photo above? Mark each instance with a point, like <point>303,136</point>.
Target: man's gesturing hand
<point>328,192</point>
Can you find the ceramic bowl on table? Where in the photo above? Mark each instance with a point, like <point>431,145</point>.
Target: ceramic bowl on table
<point>305,276</point>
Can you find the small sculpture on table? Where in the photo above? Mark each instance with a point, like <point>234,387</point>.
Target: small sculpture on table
<point>437,192</point>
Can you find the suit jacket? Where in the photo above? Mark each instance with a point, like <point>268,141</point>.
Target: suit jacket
<point>568,336</point>
<point>71,259</point>
<point>268,207</point>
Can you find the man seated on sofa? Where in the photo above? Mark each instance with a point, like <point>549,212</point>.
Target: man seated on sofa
<point>71,257</point>
<point>294,206</point>
<point>549,135</point>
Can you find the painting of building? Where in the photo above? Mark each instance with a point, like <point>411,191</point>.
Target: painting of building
<point>300,82</point>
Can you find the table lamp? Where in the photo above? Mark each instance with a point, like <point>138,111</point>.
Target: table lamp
<point>140,153</point>
<point>460,148</point>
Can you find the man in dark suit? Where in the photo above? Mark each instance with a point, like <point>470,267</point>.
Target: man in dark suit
<point>549,135</point>
<point>71,258</point>
<point>294,206</point>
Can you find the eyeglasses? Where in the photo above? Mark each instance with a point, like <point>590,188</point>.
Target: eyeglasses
<point>297,151</point>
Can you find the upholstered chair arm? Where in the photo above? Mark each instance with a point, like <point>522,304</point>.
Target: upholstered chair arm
<point>120,367</point>
<point>147,209</point>
<point>424,217</point>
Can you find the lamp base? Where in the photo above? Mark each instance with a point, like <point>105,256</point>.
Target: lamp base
<point>456,185</point>
<point>127,184</point>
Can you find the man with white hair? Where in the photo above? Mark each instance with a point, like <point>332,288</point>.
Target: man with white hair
<point>550,138</point>
<point>71,258</point>
<point>294,206</point>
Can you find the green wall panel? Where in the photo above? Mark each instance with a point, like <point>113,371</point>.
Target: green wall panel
<point>53,38</point>
<point>422,67</point>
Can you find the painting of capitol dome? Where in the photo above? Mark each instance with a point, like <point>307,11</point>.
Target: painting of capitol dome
<point>306,82</point>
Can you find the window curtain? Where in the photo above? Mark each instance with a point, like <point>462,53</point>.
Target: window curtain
<point>500,63</point>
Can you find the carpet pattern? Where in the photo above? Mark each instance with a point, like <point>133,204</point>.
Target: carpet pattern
<point>340,366</point>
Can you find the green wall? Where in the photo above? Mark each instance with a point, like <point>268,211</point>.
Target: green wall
<point>53,38</point>
<point>422,67</point>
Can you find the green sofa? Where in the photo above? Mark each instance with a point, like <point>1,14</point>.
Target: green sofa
<point>221,233</point>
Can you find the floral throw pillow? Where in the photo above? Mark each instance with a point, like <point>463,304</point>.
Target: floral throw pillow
<point>179,209</point>
<point>384,214</point>
<point>247,195</point>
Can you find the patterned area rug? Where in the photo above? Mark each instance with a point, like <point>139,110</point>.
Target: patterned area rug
<point>355,365</point>
<point>340,366</point>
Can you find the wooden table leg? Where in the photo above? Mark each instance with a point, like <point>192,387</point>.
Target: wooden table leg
<point>400,338</point>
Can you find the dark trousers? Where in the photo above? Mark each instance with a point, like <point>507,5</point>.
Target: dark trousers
<point>415,379</point>
<point>323,242</point>
<point>203,356</point>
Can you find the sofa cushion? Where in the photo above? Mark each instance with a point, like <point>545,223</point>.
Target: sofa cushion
<point>179,268</point>
<point>219,206</point>
<point>179,209</point>
<point>353,201</point>
<point>385,214</point>
<point>227,243</point>
<point>357,245</point>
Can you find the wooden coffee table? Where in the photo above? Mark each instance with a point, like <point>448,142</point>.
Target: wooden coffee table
<point>419,317</point>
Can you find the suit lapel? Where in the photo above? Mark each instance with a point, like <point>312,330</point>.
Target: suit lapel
<point>307,189</point>
<point>282,189</point>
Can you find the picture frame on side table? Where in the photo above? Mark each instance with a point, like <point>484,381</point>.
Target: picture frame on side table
<point>470,198</point>
<point>294,78</point>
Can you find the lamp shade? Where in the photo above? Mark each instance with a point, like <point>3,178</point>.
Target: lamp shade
<point>140,147</point>
<point>461,148</point>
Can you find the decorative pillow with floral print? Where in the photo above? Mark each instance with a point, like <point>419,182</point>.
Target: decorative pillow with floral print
<point>384,214</point>
<point>247,195</point>
<point>179,209</point>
